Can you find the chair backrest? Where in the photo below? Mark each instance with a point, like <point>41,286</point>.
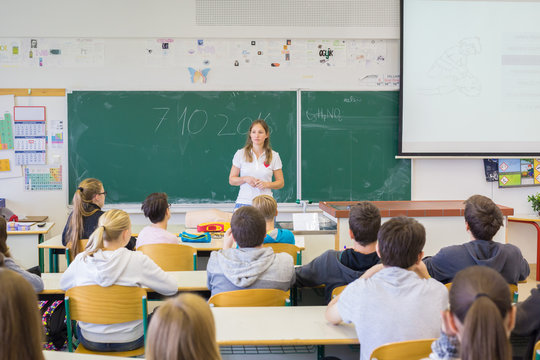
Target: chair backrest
<point>290,249</point>
<point>171,257</point>
<point>403,350</point>
<point>338,290</point>
<point>536,352</point>
<point>250,297</point>
<point>70,255</point>
<point>105,305</point>
<point>513,290</point>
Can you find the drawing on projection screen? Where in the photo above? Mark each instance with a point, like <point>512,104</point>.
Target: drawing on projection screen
<point>450,71</point>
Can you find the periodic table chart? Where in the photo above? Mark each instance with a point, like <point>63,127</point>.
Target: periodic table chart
<point>43,178</point>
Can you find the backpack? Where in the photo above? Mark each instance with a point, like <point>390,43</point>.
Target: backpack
<point>53,317</point>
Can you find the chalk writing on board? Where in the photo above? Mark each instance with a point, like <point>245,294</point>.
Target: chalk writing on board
<point>197,121</point>
<point>352,99</point>
<point>324,114</point>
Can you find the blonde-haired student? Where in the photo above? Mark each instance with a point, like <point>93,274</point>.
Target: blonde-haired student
<point>106,262</point>
<point>33,279</point>
<point>183,328</point>
<point>268,207</point>
<point>87,202</point>
<point>480,318</point>
<point>21,330</point>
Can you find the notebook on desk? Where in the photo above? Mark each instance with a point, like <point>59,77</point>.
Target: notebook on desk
<point>33,218</point>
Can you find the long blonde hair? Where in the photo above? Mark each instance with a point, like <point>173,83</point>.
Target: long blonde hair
<point>21,330</point>
<point>110,227</point>
<point>87,189</point>
<point>183,328</point>
<point>480,299</point>
<point>267,147</point>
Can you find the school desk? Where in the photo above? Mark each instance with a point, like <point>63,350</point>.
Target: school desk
<point>187,281</point>
<point>534,221</point>
<point>283,325</point>
<point>443,220</point>
<point>216,244</point>
<point>64,355</point>
<point>22,245</point>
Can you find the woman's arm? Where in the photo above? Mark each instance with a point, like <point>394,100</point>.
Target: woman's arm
<point>236,180</point>
<point>276,184</point>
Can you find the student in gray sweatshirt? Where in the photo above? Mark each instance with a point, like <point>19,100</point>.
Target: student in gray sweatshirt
<point>250,266</point>
<point>9,263</point>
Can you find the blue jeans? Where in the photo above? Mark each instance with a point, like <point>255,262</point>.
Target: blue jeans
<point>110,347</point>
<point>239,205</point>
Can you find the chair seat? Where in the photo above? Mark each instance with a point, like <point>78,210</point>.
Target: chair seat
<point>137,352</point>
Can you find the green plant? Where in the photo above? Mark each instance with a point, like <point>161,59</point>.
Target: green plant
<point>535,201</point>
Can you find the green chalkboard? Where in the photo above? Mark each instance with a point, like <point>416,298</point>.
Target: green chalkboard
<point>178,142</point>
<point>349,144</point>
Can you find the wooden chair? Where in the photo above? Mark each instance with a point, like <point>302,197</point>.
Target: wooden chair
<point>513,290</point>
<point>69,256</point>
<point>116,304</point>
<point>171,257</point>
<point>403,350</point>
<point>290,249</point>
<point>338,290</point>
<point>536,351</point>
<point>250,297</point>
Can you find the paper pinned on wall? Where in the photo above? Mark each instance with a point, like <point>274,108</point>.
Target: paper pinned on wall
<point>30,135</point>
<point>14,170</point>
<point>38,178</point>
<point>6,121</point>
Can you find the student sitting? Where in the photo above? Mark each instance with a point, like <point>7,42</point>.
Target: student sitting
<point>182,328</point>
<point>336,268</point>
<point>395,300</point>
<point>106,262</point>
<point>88,200</point>
<point>21,330</point>
<point>528,320</point>
<point>33,279</point>
<point>250,266</point>
<point>480,318</point>
<point>156,208</point>
<point>482,220</point>
<point>268,207</point>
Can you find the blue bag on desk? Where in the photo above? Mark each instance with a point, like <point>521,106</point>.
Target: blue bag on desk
<point>195,238</point>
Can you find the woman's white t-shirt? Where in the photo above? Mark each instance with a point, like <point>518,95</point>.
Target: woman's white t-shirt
<point>259,169</point>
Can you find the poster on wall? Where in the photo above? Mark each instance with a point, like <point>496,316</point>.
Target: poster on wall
<point>30,135</point>
<point>39,178</point>
<point>519,172</point>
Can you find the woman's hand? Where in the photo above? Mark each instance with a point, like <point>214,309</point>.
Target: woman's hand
<point>250,180</point>
<point>262,184</point>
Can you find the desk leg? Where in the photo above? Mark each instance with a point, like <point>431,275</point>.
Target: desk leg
<point>320,352</point>
<point>51,261</point>
<point>40,253</point>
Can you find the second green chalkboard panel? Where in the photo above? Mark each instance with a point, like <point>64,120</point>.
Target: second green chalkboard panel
<point>349,144</point>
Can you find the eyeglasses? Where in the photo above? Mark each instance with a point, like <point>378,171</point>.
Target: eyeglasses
<point>102,193</point>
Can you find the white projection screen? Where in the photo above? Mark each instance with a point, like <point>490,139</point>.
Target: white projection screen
<point>470,78</point>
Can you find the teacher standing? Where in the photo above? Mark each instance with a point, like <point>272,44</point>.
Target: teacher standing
<point>254,166</point>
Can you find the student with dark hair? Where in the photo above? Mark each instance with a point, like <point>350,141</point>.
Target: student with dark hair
<point>483,218</point>
<point>250,266</point>
<point>156,208</point>
<point>480,318</point>
<point>395,300</point>
<point>33,279</point>
<point>528,320</point>
<point>21,330</point>
<point>336,268</point>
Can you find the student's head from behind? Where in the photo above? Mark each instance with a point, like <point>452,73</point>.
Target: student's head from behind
<point>182,328</point>
<point>481,313</point>
<point>21,330</point>
<point>4,249</point>
<point>90,191</point>
<point>400,242</point>
<point>483,217</point>
<point>114,230</point>
<point>364,222</point>
<point>156,207</point>
<point>267,205</point>
<point>248,227</point>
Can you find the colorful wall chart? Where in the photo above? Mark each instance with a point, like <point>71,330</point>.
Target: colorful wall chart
<point>519,172</point>
<point>6,132</point>
<point>43,178</point>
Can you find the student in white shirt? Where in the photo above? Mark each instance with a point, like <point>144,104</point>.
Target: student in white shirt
<point>254,166</point>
